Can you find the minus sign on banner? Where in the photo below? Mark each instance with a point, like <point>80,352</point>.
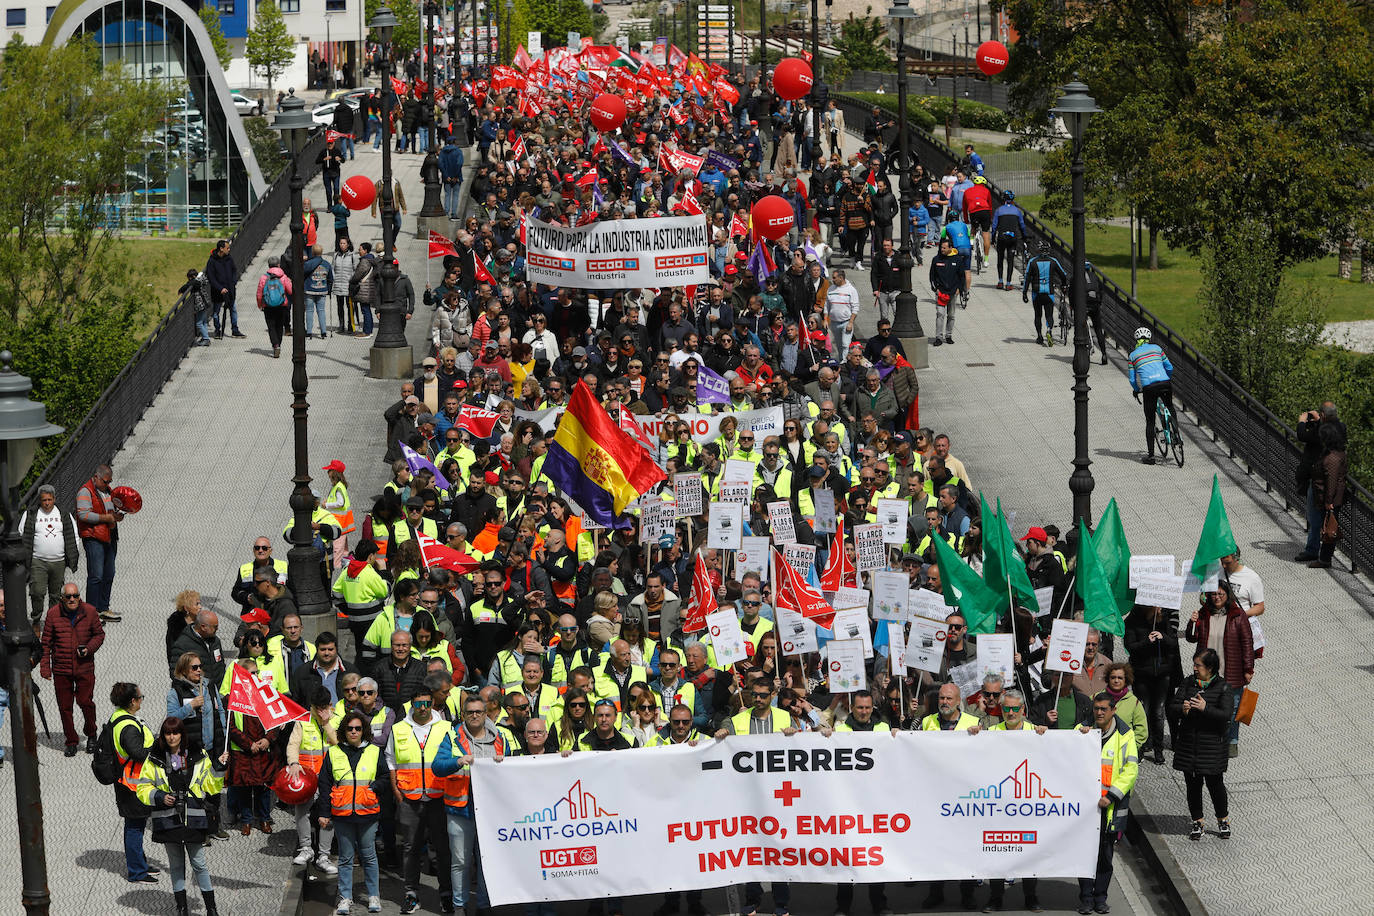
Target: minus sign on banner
<point>713,764</point>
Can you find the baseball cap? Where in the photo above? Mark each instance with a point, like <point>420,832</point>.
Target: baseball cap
<point>489,345</point>
<point>493,478</point>
<point>506,534</point>
<point>415,502</point>
<point>731,270</point>
<point>579,351</point>
<point>429,361</point>
<point>911,558</point>
<point>412,399</point>
<point>815,473</point>
<point>256,615</point>
<point>1036,534</point>
<point>335,465</point>
<point>459,383</point>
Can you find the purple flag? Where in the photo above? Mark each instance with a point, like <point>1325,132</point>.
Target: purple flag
<point>415,461</point>
<point>825,272</point>
<point>760,264</point>
<point>721,161</point>
<point>711,387</point>
<point>624,156</point>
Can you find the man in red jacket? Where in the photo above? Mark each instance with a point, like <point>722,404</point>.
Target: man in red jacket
<point>72,634</point>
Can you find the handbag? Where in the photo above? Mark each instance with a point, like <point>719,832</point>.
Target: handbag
<point>1331,529</point>
<point>1249,698</point>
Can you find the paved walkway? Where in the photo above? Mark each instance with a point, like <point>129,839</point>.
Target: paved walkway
<point>1300,791</point>
<point>213,459</point>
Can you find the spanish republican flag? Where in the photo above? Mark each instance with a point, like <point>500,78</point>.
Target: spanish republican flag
<point>596,463</point>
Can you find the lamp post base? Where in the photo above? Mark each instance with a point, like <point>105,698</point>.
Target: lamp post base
<point>391,362</point>
<point>917,351</point>
<point>440,224</point>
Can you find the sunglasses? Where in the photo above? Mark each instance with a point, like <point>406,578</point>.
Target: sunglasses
<point>367,693</point>
<point>519,706</point>
<point>576,704</point>
<point>71,597</point>
<point>645,708</point>
<point>196,667</point>
<point>257,549</point>
<point>682,721</point>
<point>353,728</point>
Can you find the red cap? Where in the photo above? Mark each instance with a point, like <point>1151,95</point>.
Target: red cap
<point>256,615</point>
<point>459,383</point>
<point>1037,534</point>
<point>335,465</point>
<point>493,478</point>
<point>731,270</point>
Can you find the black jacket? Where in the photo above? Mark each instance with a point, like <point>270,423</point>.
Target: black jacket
<point>1158,659</point>
<point>1311,450</point>
<point>1201,739</point>
<point>210,651</point>
<point>887,276</point>
<point>305,679</point>
<point>396,687</point>
<point>1082,707</point>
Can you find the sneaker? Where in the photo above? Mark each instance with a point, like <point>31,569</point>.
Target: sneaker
<point>1033,904</point>
<point>323,864</point>
<point>1049,338</point>
<point>344,905</point>
<point>303,856</point>
<point>937,341</point>
<point>1102,907</point>
<point>1148,459</point>
<point>411,904</point>
<point>374,904</point>
<point>445,903</point>
<point>113,616</point>
<point>1224,828</point>
<point>239,335</point>
<point>1195,832</point>
<point>221,834</point>
<point>949,338</point>
<point>146,879</point>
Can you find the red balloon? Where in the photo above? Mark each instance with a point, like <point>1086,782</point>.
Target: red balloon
<point>773,217</point>
<point>992,57</point>
<point>358,192</point>
<point>608,111</point>
<point>792,78</point>
<point>127,499</point>
<point>295,791</point>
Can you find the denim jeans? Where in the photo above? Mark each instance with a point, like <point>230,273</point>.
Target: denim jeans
<point>462,849</point>
<point>331,187</point>
<point>422,144</point>
<point>356,841</point>
<point>100,571</point>
<point>203,323</point>
<point>453,194</point>
<point>135,862</point>
<point>217,312</point>
<point>176,865</point>
<point>346,145</point>
<point>373,124</point>
<point>249,804</point>
<point>315,305</point>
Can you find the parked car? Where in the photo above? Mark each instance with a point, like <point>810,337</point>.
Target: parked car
<point>245,105</point>
<point>323,113</point>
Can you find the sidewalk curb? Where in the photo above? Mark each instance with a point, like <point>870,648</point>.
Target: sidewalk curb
<point>1140,828</point>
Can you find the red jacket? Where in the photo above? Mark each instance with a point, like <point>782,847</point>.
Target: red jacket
<point>61,639</point>
<point>1238,644</point>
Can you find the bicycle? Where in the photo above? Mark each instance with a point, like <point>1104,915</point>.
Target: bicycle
<point>978,255</point>
<point>1167,436</point>
<point>1065,318</point>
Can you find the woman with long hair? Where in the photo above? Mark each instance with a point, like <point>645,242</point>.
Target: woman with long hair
<point>353,779</point>
<point>196,704</point>
<point>1222,624</point>
<point>575,721</point>
<point>341,507</point>
<point>176,784</point>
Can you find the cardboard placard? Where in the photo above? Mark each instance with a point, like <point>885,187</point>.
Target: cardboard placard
<point>737,470</point>
<point>922,602</point>
<point>889,595</point>
<point>752,556</point>
<point>925,647</point>
<point>852,623</point>
<point>845,665</point>
<point>781,522</point>
<point>726,637</point>
<point>688,494</point>
<point>896,648</point>
<point>892,515</point>
<point>869,551</point>
<point>735,493</point>
<point>800,557</point>
<point>725,526</point>
<point>1068,642</point>
<point>997,652</point>
<point>1162,564</point>
<point>1164,590</point>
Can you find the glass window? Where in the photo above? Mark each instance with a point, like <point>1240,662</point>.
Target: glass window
<point>290,6</point>
<point>226,7</point>
<point>16,17</point>
<point>336,6</point>
<point>51,10</point>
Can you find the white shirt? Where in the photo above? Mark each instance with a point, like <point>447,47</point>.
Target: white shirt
<point>421,736</point>
<point>842,301</point>
<point>681,356</point>
<point>48,543</point>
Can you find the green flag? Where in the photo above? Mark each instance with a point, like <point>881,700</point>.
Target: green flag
<point>965,589</point>
<point>1020,579</point>
<point>1109,542</point>
<point>1099,604</point>
<point>1216,540</point>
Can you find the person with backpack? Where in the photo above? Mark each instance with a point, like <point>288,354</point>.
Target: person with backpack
<point>362,286</point>
<point>1009,234</point>
<point>274,298</point>
<point>120,753</point>
<point>196,293</point>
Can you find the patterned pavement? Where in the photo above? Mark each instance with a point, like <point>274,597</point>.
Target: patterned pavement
<point>213,459</point>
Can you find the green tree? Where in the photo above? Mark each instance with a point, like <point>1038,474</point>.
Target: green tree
<point>209,16</point>
<point>66,301</point>
<point>270,49</point>
<point>409,32</point>
<point>267,147</point>
<point>555,19</point>
<point>863,43</point>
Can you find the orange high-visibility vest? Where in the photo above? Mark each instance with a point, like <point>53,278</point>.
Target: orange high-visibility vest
<point>352,795</point>
<point>415,762</point>
<point>458,791</point>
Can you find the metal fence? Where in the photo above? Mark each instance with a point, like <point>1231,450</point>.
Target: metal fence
<point>974,90</point>
<point>1251,433</point>
<point>113,416</point>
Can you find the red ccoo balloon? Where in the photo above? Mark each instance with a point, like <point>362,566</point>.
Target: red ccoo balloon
<point>992,57</point>
<point>295,791</point>
<point>792,78</point>
<point>608,111</point>
<point>358,192</point>
<point>772,217</point>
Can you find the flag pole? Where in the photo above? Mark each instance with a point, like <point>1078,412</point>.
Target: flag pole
<point>1015,669</point>
<point>1067,594</point>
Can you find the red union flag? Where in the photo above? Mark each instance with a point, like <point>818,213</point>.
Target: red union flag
<point>703,599</point>
<point>248,694</point>
<point>795,594</point>
<point>478,421</point>
<point>838,571</point>
<point>432,553</point>
<point>439,245</point>
<point>679,160</point>
<point>628,424</point>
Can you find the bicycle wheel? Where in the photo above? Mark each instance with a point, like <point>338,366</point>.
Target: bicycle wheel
<point>1162,429</point>
<point>1175,439</point>
<point>1064,324</point>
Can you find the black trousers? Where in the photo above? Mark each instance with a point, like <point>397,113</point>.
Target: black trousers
<point>877,897</point>
<point>1153,693</point>
<point>421,823</point>
<point>1093,891</point>
<point>276,323</point>
<point>1155,392</point>
<point>1216,787</point>
<point>1006,259</point>
<point>998,888</point>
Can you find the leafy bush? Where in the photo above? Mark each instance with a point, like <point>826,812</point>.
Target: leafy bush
<point>916,116</point>
<point>975,115</point>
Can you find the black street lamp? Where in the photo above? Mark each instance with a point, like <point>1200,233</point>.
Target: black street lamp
<point>509,52</point>
<point>819,93</point>
<point>390,356</point>
<point>763,42</point>
<point>303,561</point>
<point>1075,107</point>
<point>906,322</point>
<point>429,170</point>
<point>22,424</point>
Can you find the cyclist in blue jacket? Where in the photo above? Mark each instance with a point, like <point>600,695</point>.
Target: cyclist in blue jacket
<point>956,230</point>
<point>1150,372</point>
<point>1037,287</point>
<point>1008,234</point>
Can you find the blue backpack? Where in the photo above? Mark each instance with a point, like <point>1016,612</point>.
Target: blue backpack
<point>274,291</point>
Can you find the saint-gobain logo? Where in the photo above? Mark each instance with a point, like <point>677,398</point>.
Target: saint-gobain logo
<point>570,857</point>
<point>995,837</point>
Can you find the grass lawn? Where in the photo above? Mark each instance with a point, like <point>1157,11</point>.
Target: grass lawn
<point>1171,292</point>
<point>159,266</point>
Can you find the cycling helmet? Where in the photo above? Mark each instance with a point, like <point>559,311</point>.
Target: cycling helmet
<point>980,180</point>
<point>1043,247</point>
<point>1142,334</point>
<point>1008,196</point>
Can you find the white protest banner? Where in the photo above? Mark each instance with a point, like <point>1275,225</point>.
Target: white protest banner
<point>725,526</point>
<point>796,634</point>
<point>705,427</point>
<point>752,556</point>
<point>1161,564</point>
<point>849,596</point>
<point>1068,642</point>
<point>726,637</point>
<point>896,648</point>
<point>823,522</point>
<point>968,678</point>
<point>735,493</point>
<point>844,665</point>
<point>547,420</point>
<point>1209,581</point>
<point>591,524</point>
<point>781,522</point>
<point>1045,598</point>
<point>925,650</point>
<point>656,519</point>
<point>869,552</point>
<point>852,623</point>
<point>892,515</point>
<point>800,557</point>
<point>737,470</point>
<point>922,602</point>
<point>687,493</point>
<point>889,595</point>
<point>800,809</point>
<point>1163,590</point>
<point>997,652</point>
<point>619,254</point>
